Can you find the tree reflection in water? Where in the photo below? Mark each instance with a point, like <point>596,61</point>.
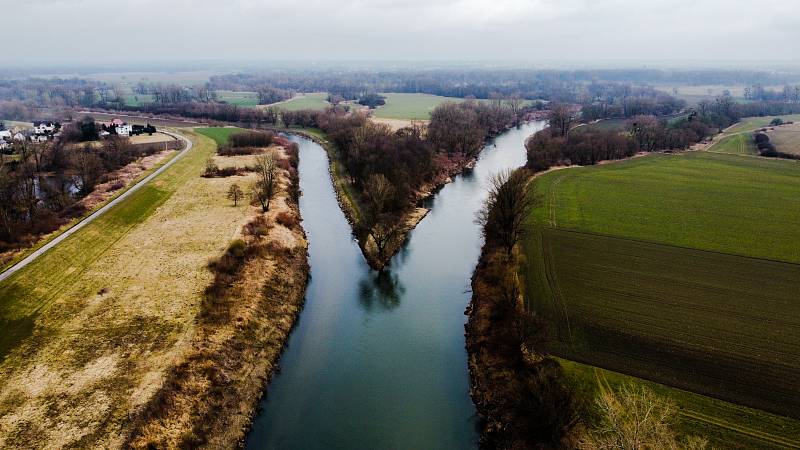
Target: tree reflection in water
<point>380,290</point>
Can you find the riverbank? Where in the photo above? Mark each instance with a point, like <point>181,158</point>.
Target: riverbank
<point>209,398</point>
<point>449,167</point>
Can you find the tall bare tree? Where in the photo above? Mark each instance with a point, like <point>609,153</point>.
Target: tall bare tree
<point>266,186</point>
<point>506,208</point>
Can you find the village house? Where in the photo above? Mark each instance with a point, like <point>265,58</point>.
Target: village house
<point>43,127</point>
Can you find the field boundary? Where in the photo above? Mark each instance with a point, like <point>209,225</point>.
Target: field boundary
<point>645,241</point>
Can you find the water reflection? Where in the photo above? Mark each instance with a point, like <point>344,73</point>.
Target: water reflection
<point>380,290</point>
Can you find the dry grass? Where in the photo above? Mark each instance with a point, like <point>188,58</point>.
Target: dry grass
<point>208,400</point>
<point>786,138</point>
<point>109,322</point>
<point>147,139</point>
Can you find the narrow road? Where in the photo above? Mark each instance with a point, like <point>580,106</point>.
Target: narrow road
<point>32,257</point>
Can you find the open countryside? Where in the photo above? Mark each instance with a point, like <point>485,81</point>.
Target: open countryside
<point>693,279</point>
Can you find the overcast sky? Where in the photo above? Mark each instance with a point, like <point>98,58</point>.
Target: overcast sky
<point>136,31</point>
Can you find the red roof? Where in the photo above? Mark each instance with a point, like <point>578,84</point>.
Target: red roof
<point>116,122</point>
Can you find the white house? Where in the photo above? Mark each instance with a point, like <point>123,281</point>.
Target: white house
<point>5,134</point>
<point>124,130</point>
<point>38,138</point>
<point>19,137</point>
<point>45,128</point>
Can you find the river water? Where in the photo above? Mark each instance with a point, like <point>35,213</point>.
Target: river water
<point>378,361</point>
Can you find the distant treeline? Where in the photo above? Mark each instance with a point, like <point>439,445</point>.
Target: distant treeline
<point>563,144</point>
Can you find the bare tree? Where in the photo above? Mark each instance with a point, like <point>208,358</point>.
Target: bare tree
<point>561,118</point>
<point>381,224</point>
<point>636,418</point>
<point>266,186</point>
<point>506,208</point>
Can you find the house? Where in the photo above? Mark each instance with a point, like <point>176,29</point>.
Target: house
<point>5,135</point>
<point>124,130</point>
<point>19,137</point>
<point>39,138</point>
<point>43,128</point>
<point>117,122</point>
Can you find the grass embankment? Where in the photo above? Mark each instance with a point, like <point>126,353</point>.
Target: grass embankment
<point>737,144</point>
<point>680,269</point>
<point>93,326</point>
<point>749,124</point>
<point>245,318</point>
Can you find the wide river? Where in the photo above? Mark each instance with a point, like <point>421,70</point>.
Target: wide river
<point>378,361</point>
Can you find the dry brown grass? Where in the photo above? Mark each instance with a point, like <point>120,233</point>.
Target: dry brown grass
<point>112,334</point>
<point>208,400</point>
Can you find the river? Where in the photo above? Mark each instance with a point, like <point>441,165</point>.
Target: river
<point>378,361</point>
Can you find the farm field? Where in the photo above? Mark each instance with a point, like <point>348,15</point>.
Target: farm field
<point>239,98</point>
<point>138,99</point>
<point>725,424</point>
<point>314,100</point>
<point>220,135</point>
<point>737,144</point>
<point>725,203</point>
<point>786,138</point>
<point>668,265</point>
<point>90,327</point>
<point>410,106</point>
<point>659,311</point>
<point>754,123</point>
<point>13,125</point>
<point>141,120</point>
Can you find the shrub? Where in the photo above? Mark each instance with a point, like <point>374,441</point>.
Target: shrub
<point>259,226</point>
<point>250,139</point>
<point>287,219</point>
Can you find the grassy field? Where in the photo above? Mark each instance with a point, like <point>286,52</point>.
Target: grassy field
<point>737,144</point>
<point>138,99</point>
<point>725,424</point>
<point>725,203</point>
<point>786,138</point>
<point>410,106</point>
<point>314,100</point>
<point>681,269</point>
<point>220,135</point>
<point>90,327</point>
<point>247,99</point>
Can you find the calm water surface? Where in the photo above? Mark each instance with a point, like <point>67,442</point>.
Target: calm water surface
<point>378,361</point>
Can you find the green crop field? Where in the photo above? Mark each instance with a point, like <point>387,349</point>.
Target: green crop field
<point>681,269</point>
<point>726,203</point>
<point>239,98</point>
<point>314,100</point>
<point>411,106</point>
<point>737,144</point>
<point>220,135</point>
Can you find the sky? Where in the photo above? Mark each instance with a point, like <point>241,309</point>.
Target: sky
<point>532,31</point>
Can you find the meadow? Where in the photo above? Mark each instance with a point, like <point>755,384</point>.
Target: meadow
<point>682,270</point>
<point>238,98</point>
<point>754,123</point>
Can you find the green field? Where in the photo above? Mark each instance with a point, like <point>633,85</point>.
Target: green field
<point>737,144</point>
<point>725,203</point>
<point>314,100</point>
<point>411,106</point>
<point>681,269</point>
<point>220,135</point>
<point>138,99</point>
<point>238,98</point>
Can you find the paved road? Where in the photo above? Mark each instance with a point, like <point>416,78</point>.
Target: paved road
<point>32,257</point>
